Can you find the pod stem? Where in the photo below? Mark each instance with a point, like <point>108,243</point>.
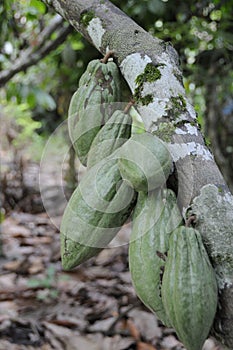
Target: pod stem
<point>128,106</point>
<point>191,220</point>
<point>107,56</point>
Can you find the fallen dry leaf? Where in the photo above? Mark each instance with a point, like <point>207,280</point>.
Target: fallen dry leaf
<point>7,281</point>
<point>115,342</point>
<point>36,266</point>
<point>36,240</point>
<point>20,266</point>
<point>10,228</point>
<point>145,346</point>
<point>71,340</point>
<point>12,265</point>
<point>133,329</point>
<point>147,323</point>
<point>210,345</point>
<point>170,342</point>
<point>8,309</point>
<point>4,344</point>
<point>102,325</point>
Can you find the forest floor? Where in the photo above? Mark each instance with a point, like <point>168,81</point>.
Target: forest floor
<point>92,307</point>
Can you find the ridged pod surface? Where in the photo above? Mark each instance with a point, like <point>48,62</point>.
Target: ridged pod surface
<point>92,104</point>
<point>156,215</point>
<point>189,288</point>
<point>95,213</point>
<point>145,162</point>
<point>112,135</point>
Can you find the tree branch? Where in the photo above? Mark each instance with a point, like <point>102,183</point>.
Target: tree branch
<point>34,54</point>
<point>56,22</point>
<point>167,113</point>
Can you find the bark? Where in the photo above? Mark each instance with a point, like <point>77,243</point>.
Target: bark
<point>167,112</point>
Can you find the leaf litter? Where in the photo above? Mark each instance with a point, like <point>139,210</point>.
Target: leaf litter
<point>92,307</point>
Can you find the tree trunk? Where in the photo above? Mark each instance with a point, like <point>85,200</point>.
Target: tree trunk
<point>167,112</point>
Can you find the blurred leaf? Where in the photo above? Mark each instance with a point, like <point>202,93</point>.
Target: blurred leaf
<point>77,45</point>
<point>31,100</point>
<point>38,5</point>
<point>156,7</point>
<point>45,100</point>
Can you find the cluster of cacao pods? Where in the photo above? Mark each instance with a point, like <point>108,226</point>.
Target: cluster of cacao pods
<point>170,268</point>
<point>102,202</point>
<point>127,171</point>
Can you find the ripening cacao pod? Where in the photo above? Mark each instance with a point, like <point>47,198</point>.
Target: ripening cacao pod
<point>112,136</point>
<point>92,104</point>
<point>145,162</point>
<point>156,215</point>
<point>95,213</point>
<point>189,288</point>
<point>138,126</point>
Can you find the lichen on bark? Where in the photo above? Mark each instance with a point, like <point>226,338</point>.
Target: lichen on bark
<point>86,17</point>
<point>165,131</point>
<point>151,73</point>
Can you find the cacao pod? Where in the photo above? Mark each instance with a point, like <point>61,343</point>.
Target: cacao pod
<point>95,213</point>
<point>138,126</point>
<point>189,288</point>
<point>156,215</point>
<point>112,135</point>
<point>145,162</point>
<point>92,104</point>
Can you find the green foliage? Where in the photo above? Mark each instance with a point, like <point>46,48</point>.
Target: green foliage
<point>2,218</point>
<point>18,117</point>
<point>36,8</point>
<point>44,89</point>
<point>21,115</point>
<point>48,283</point>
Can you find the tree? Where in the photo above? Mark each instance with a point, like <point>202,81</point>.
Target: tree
<point>167,113</point>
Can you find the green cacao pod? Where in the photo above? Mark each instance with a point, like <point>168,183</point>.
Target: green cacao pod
<point>92,104</point>
<point>103,72</point>
<point>156,215</point>
<point>112,136</point>
<point>189,288</point>
<point>138,126</point>
<point>95,213</point>
<point>145,162</point>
